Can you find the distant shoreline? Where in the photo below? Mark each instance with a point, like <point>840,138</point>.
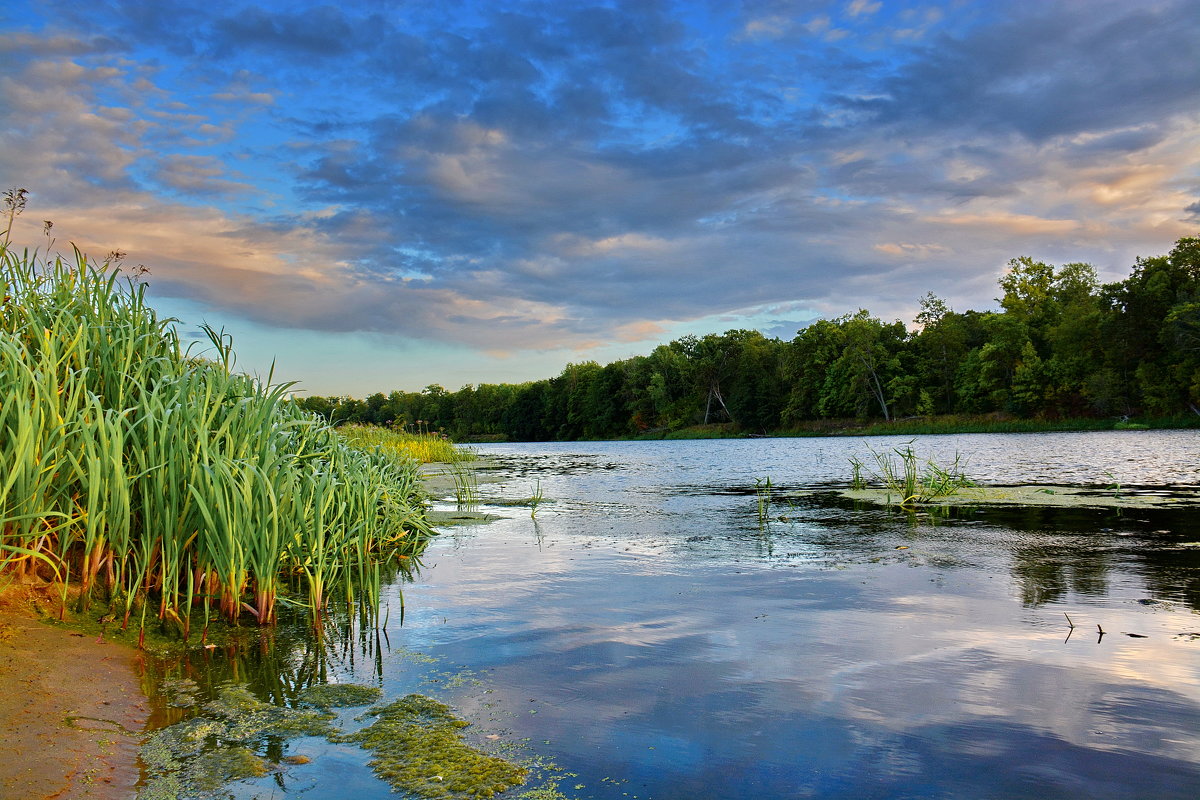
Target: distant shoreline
<point>915,426</point>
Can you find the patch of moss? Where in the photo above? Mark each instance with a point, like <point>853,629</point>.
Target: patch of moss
<point>340,695</point>
<point>198,756</point>
<point>419,748</point>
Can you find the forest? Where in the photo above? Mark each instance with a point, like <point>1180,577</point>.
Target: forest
<point>1062,346</point>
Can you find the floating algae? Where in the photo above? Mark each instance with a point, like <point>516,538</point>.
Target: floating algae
<point>340,695</point>
<point>180,692</point>
<point>197,757</point>
<point>1054,496</point>
<point>419,748</point>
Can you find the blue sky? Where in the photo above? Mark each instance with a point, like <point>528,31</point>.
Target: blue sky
<point>384,195</point>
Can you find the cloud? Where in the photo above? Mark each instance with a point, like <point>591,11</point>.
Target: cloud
<point>1050,70</point>
<point>196,175</point>
<point>859,8</point>
<point>536,176</point>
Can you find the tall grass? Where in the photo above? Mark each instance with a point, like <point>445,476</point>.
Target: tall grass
<point>426,448</point>
<point>133,471</point>
<point>762,491</point>
<point>901,473</point>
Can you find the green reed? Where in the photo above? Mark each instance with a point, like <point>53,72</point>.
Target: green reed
<point>134,470</point>
<point>426,448</point>
<point>535,499</point>
<point>466,484</point>
<point>762,491</point>
<point>902,473</point>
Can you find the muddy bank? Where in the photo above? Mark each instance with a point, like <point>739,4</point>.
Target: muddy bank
<point>71,712</point>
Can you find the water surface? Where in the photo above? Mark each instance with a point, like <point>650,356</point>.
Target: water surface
<point>647,633</point>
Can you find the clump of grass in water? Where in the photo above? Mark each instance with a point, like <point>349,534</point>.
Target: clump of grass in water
<point>419,749</point>
<point>466,484</point>
<point>133,469</point>
<point>857,480</point>
<point>901,473</point>
<point>762,489</point>
<point>535,500</point>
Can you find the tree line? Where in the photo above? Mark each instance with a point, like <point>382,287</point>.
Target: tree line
<point>1062,345</point>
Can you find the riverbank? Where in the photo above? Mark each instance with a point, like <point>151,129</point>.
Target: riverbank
<point>912,426</point>
<point>930,426</point>
<point>71,713</point>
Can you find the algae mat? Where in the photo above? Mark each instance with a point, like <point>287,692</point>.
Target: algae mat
<point>416,742</point>
<point>1042,496</point>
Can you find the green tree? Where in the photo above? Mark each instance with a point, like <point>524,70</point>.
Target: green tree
<point>807,361</point>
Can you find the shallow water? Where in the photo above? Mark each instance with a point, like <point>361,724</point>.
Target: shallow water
<point>649,635</point>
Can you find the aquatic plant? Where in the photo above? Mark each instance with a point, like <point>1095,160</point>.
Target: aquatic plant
<point>902,473</point>
<point>535,500</point>
<point>762,490</point>
<point>419,748</point>
<point>466,484</point>
<point>340,695</point>
<point>137,471</point>
<point>227,740</point>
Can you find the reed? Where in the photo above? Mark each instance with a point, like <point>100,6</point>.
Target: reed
<point>138,472</point>
<point>901,472</point>
<point>426,448</point>
<point>466,484</point>
<point>762,491</point>
<point>535,499</point>
<point>857,479</point>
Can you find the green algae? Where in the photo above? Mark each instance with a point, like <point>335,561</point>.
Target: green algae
<point>419,748</point>
<point>212,770</point>
<point>221,744</point>
<point>238,738</point>
<point>442,519</point>
<point>340,695</point>
<point>1041,496</point>
<point>180,692</point>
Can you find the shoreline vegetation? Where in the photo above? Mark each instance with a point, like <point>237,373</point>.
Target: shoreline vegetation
<point>1063,352</point>
<point>915,426</point>
<point>930,426</point>
<point>150,486</point>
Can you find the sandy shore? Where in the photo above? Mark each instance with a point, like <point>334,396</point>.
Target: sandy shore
<point>71,713</point>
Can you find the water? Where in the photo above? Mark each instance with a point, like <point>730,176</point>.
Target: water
<point>649,635</point>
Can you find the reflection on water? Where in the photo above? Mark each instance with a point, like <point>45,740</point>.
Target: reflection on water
<point>648,634</point>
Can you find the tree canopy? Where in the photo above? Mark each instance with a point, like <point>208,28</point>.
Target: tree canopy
<point>1061,345</point>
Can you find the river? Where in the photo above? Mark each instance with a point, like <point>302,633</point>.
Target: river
<point>655,637</point>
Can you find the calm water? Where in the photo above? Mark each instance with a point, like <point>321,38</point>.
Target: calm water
<point>647,634</point>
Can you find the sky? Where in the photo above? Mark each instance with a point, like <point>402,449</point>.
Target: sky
<point>383,195</point>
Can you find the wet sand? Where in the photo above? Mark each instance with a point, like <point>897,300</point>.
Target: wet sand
<point>71,712</point>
